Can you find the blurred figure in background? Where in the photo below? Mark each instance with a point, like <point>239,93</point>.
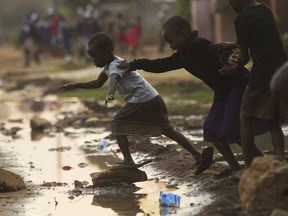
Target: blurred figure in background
<point>132,39</point>
<point>30,39</point>
<point>44,34</point>
<point>107,24</point>
<point>86,27</point>
<point>53,27</point>
<point>121,33</point>
<point>64,36</point>
<point>163,15</point>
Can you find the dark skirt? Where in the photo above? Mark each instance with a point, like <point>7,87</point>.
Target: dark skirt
<point>146,119</point>
<point>223,120</point>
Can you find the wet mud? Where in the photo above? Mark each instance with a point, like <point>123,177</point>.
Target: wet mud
<point>56,161</point>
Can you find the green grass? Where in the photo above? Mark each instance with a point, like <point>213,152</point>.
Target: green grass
<point>202,96</point>
<point>196,102</point>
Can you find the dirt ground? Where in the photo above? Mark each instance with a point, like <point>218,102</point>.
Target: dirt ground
<point>178,167</point>
<point>174,166</point>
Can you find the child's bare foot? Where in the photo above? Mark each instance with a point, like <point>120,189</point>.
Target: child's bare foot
<point>206,160</point>
<point>124,165</point>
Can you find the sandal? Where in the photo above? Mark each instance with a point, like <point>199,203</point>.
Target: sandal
<point>123,166</point>
<point>126,165</point>
<point>206,160</point>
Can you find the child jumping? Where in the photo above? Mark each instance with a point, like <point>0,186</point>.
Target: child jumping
<point>205,60</point>
<point>257,31</point>
<point>144,113</point>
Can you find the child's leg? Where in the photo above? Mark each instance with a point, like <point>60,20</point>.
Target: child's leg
<point>225,150</point>
<point>203,160</point>
<point>247,138</point>
<point>277,138</point>
<point>183,141</point>
<point>124,147</point>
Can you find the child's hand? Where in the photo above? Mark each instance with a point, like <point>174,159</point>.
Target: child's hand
<point>233,58</point>
<point>108,99</point>
<point>124,65</point>
<point>227,70</point>
<point>67,87</point>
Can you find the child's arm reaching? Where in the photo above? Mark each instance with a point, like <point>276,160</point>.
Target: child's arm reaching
<point>159,65</point>
<point>238,59</point>
<point>102,78</point>
<point>112,88</point>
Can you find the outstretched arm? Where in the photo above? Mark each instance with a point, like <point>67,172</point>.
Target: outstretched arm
<point>112,88</point>
<point>160,65</point>
<point>99,82</point>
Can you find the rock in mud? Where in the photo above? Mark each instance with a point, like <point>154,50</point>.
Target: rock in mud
<point>110,178</point>
<point>10,181</point>
<point>39,124</point>
<point>263,187</point>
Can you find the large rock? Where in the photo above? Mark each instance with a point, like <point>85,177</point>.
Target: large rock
<point>39,124</point>
<point>264,186</point>
<point>110,178</point>
<point>10,181</point>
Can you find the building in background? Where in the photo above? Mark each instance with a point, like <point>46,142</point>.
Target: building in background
<point>217,25</point>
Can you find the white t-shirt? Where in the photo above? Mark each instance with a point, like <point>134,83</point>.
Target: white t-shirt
<point>132,87</point>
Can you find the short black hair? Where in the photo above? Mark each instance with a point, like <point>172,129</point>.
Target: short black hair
<point>177,23</point>
<point>101,42</point>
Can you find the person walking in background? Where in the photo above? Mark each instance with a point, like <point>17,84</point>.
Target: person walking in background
<point>132,39</point>
<point>86,27</point>
<point>257,32</point>
<point>121,26</point>
<point>64,35</point>
<point>144,113</point>
<point>53,20</point>
<point>30,40</point>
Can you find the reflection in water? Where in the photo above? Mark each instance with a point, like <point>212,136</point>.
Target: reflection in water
<point>37,135</point>
<point>128,205</point>
<point>101,161</point>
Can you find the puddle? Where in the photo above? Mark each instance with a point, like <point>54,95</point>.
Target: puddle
<point>51,162</point>
<point>44,160</point>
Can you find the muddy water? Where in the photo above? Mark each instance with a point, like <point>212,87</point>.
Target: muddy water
<point>40,158</point>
